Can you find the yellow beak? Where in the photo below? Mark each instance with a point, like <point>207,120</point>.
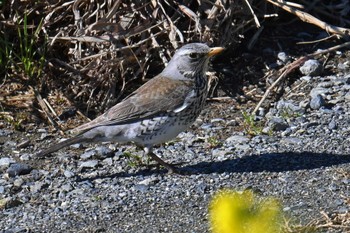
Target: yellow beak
<point>214,51</point>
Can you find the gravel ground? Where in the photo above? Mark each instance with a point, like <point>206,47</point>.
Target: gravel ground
<point>301,157</point>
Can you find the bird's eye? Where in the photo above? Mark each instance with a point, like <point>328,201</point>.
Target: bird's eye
<point>194,55</point>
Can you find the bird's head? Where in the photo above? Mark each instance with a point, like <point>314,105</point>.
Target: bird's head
<point>190,60</point>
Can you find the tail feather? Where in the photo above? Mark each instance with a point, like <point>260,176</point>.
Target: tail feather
<point>60,145</point>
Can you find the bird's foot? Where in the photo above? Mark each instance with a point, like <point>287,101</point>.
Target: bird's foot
<point>171,168</point>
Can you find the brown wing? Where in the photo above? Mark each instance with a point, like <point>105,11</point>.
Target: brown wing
<point>159,95</point>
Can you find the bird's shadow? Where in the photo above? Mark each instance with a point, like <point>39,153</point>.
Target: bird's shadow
<point>269,162</point>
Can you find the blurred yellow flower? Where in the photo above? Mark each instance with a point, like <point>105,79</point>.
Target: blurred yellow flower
<point>242,212</point>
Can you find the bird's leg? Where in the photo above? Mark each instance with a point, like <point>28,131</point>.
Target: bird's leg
<point>171,169</point>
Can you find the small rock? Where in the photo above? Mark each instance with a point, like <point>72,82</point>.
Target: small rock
<point>318,91</point>
<point>317,102</point>
<point>89,164</point>
<point>311,67</point>
<point>236,139</point>
<point>306,78</point>
<point>332,125</point>
<point>266,130</point>
<point>103,151</point>
<point>149,181</point>
<point>17,169</point>
<point>24,157</point>
<point>288,107</point>
<point>2,189</point>
<point>283,57</point>
<point>37,174</point>
<point>201,188</point>
<point>216,120</point>
<point>325,84</point>
<point>108,161</point>
<point>36,187</point>
<point>338,109</point>
<point>5,132</point>
<point>242,147</point>
<point>68,174</point>
<point>261,112</point>
<point>76,146</point>
<point>18,182</point>
<point>42,130</point>
<point>67,187</point>
<point>218,153</point>
<point>278,124</point>
<point>88,154</point>
<point>10,144</point>
<point>343,210</point>
<point>141,187</point>
<point>6,161</point>
<point>206,126</point>
<point>343,66</point>
<point>347,96</point>
<point>235,123</point>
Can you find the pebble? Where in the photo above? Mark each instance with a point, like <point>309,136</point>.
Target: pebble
<point>318,91</point>
<point>236,139</point>
<point>67,187</point>
<point>141,187</point>
<point>347,96</point>
<point>89,164</point>
<point>88,154</point>
<point>343,65</point>
<point>332,125</point>
<point>17,169</point>
<point>278,124</point>
<point>18,182</point>
<point>68,174</point>
<point>25,157</point>
<point>311,68</point>
<point>282,58</point>
<point>108,161</point>
<point>36,187</point>
<point>6,161</point>
<point>149,181</point>
<point>103,151</point>
<point>317,102</point>
<point>306,78</point>
<point>289,107</point>
<point>5,132</point>
<point>10,143</point>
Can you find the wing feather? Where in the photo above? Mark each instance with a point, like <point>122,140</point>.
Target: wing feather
<point>159,95</point>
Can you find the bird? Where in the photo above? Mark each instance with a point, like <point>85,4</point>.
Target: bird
<point>156,112</point>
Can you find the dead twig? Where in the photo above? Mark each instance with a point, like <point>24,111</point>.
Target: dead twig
<point>46,111</point>
<point>306,17</point>
<point>256,20</point>
<point>283,73</point>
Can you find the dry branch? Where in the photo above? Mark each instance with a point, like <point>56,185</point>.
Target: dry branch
<point>306,17</point>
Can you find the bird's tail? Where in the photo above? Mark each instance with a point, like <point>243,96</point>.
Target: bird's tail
<point>68,142</point>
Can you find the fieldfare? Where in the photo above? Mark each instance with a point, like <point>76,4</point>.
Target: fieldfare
<point>157,111</point>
